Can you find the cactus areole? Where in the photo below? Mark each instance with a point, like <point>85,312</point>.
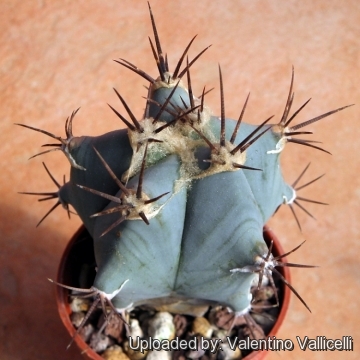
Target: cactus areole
<point>176,202</point>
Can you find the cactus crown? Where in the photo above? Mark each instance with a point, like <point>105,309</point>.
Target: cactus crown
<point>177,201</point>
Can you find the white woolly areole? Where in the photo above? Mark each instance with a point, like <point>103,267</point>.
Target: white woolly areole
<point>259,260</point>
<point>222,160</point>
<point>244,311</point>
<point>150,210</point>
<point>169,82</point>
<point>291,200</point>
<point>110,296</point>
<point>279,147</point>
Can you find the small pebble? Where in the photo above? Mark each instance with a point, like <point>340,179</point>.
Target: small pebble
<point>180,323</point>
<point>185,308</point>
<point>114,352</point>
<point>264,293</point>
<point>134,354</point>
<point>77,318</point>
<point>220,334</point>
<point>201,326</point>
<point>114,326</point>
<point>86,332</point>
<point>79,304</point>
<point>159,355</point>
<point>161,326</point>
<point>179,356</point>
<point>196,354</point>
<point>135,329</point>
<point>223,319</point>
<point>228,354</point>
<point>99,342</point>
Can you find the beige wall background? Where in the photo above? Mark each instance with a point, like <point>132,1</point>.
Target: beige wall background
<point>57,55</point>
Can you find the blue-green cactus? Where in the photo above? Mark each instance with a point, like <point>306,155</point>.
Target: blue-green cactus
<point>176,203</point>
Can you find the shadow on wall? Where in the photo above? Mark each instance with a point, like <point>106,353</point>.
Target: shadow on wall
<point>30,327</point>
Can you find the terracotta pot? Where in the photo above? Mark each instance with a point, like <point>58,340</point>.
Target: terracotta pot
<point>79,251</point>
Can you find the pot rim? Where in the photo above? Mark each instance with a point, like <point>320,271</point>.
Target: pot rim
<point>65,311</point>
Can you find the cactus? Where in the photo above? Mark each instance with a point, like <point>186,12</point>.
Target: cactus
<point>176,202</point>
